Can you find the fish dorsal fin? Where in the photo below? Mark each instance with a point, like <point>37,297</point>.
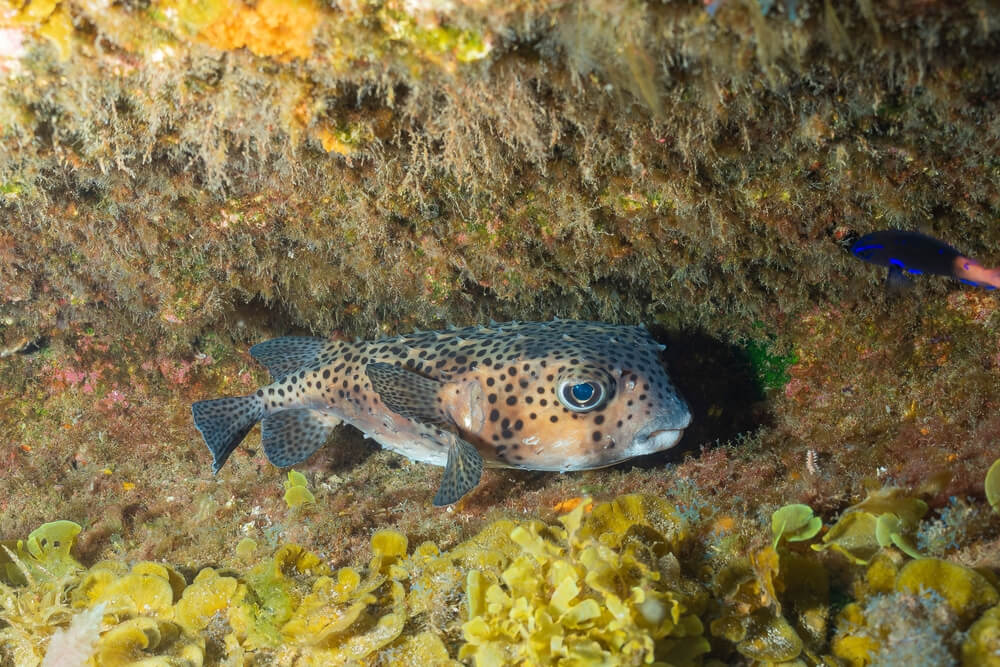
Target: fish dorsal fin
<point>288,354</point>
<point>461,474</point>
<point>291,436</point>
<point>407,393</point>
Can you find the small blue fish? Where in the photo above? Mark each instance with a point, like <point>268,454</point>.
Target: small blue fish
<point>910,252</point>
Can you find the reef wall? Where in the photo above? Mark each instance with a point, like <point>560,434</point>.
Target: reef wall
<point>370,166</point>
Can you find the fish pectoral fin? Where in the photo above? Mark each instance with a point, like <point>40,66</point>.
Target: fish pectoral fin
<point>896,280</point>
<point>285,355</point>
<point>407,393</point>
<point>291,436</point>
<point>461,474</point>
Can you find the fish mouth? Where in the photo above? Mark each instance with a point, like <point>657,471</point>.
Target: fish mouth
<point>671,422</point>
<point>656,435</point>
<point>661,433</point>
<point>659,439</point>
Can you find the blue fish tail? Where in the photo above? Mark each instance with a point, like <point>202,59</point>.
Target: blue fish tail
<point>224,422</point>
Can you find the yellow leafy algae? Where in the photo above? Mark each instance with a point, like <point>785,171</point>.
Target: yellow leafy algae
<point>982,644</point>
<point>926,600</point>
<point>297,491</point>
<point>592,592</point>
<point>609,583</point>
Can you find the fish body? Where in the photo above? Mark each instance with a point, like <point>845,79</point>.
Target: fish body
<point>561,395</point>
<point>914,253</point>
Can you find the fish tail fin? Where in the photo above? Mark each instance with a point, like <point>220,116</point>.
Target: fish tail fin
<point>224,422</point>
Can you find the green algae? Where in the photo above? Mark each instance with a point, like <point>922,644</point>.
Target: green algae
<point>992,485</point>
<point>794,523</point>
<point>45,552</point>
<point>770,366</point>
<point>887,517</point>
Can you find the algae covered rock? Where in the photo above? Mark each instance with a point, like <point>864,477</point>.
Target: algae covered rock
<point>929,611</point>
<point>966,591</point>
<point>773,605</point>
<point>982,644</point>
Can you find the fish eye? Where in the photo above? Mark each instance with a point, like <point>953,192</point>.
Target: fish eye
<point>581,395</point>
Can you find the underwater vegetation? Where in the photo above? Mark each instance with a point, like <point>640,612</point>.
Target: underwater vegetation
<point>624,582</point>
<point>993,486</point>
<point>297,491</point>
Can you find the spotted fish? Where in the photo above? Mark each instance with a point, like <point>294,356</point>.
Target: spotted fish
<point>561,395</point>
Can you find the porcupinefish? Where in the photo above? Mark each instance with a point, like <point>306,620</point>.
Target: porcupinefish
<point>561,395</point>
<point>916,253</point>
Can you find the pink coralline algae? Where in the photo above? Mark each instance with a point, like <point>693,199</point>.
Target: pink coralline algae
<point>63,378</point>
<point>176,371</point>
